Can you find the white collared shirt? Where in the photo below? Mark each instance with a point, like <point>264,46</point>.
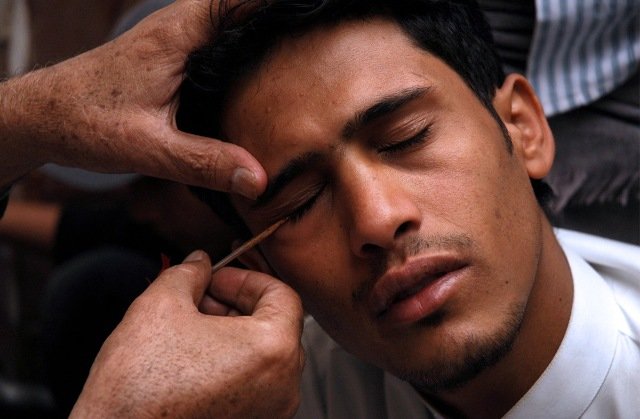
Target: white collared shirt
<point>594,374</point>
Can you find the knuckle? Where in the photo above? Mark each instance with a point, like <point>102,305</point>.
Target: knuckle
<point>185,269</point>
<point>206,166</point>
<point>211,168</point>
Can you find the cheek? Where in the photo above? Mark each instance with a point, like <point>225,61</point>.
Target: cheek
<point>480,182</point>
<point>325,276</point>
<point>313,265</point>
<point>506,221</point>
<point>478,188</point>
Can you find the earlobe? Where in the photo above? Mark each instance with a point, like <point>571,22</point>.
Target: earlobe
<point>519,108</point>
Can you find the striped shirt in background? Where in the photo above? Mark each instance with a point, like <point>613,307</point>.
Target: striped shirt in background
<point>573,51</point>
<point>582,49</point>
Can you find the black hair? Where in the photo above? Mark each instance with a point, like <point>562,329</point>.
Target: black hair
<point>453,30</point>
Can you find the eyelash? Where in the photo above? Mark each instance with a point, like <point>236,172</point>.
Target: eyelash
<point>297,214</point>
<point>400,146</point>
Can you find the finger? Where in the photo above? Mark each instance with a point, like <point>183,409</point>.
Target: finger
<point>207,13</point>
<point>191,19</point>
<point>196,21</point>
<point>213,307</point>
<point>303,357</point>
<point>190,278</point>
<point>213,164</point>
<point>257,294</point>
<point>234,313</point>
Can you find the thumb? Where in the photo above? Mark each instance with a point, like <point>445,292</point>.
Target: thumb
<point>212,164</point>
<point>190,279</point>
<point>257,294</point>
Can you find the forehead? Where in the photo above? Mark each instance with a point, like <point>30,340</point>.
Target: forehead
<point>310,85</point>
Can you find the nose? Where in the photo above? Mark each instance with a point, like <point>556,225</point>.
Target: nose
<point>381,207</point>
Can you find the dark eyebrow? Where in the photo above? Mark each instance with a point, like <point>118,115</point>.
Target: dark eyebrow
<point>293,169</point>
<point>300,164</point>
<point>383,107</point>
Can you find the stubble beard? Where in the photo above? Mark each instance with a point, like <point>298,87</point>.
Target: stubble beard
<point>473,354</point>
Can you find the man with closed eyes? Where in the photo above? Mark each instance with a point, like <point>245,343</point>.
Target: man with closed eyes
<point>409,170</point>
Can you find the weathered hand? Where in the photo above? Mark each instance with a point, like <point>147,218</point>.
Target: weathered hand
<point>167,358</point>
<point>112,109</point>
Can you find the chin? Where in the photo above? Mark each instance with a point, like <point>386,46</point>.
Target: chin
<point>457,359</point>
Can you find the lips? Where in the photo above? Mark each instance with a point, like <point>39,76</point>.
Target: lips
<point>416,289</point>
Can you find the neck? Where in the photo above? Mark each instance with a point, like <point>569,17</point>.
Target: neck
<point>496,390</point>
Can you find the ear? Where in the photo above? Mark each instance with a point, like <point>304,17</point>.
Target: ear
<point>253,259</point>
<point>521,112</point>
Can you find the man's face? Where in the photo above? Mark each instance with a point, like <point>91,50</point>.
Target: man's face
<point>415,235</point>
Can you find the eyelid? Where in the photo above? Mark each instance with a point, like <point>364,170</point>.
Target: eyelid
<point>415,139</point>
<point>300,198</point>
<point>301,210</point>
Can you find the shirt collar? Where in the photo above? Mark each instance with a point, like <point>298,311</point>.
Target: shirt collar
<point>573,378</point>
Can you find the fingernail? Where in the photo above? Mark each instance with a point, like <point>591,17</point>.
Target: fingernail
<point>196,256</point>
<point>243,182</point>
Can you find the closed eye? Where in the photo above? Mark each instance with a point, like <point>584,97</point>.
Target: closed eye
<point>416,140</point>
<point>298,213</point>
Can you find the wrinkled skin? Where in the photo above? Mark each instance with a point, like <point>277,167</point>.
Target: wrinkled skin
<point>177,353</point>
<point>181,349</point>
<point>112,109</point>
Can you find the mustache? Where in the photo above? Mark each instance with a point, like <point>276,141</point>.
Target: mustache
<point>414,245</point>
